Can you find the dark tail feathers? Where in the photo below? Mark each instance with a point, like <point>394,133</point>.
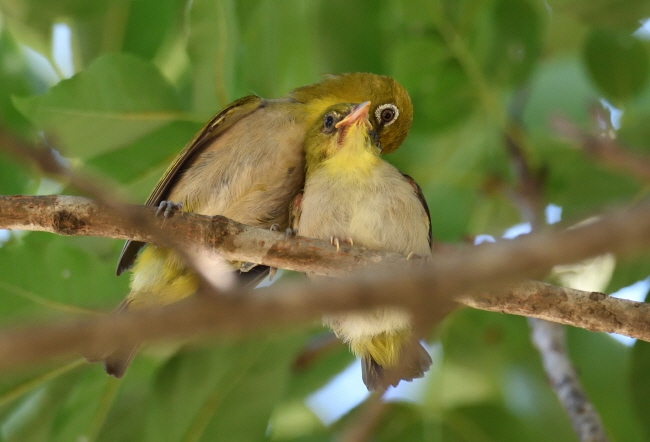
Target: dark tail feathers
<point>117,362</point>
<point>414,361</point>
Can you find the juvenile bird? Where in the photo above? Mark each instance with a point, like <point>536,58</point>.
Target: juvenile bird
<point>351,194</point>
<point>247,164</point>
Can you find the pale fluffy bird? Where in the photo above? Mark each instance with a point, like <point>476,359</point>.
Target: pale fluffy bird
<point>352,194</point>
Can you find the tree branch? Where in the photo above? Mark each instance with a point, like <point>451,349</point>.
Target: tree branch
<point>622,232</point>
<point>45,158</point>
<point>550,341</point>
<point>604,147</point>
<point>72,215</point>
<point>591,311</point>
<point>428,292</point>
<point>550,337</point>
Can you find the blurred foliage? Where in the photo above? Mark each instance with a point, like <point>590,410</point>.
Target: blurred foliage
<point>150,72</point>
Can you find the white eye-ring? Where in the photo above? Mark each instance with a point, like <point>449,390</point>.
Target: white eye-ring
<point>386,114</point>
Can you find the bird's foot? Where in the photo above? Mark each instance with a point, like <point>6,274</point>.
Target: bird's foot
<point>336,241</point>
<point>246,267</point>
<point>423,259</point>
<point>167,208</point>
<point>290,233</point>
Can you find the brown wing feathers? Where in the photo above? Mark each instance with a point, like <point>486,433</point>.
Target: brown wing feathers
<point>213,129</point>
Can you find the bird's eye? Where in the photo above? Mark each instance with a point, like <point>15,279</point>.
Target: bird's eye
<point>329,123</point>
<point>386,114</point>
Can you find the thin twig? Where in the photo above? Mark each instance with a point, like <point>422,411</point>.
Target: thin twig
<point>528,193</point>
<point>549,337</point>
<point>605,148</point>
<point>316,349</point>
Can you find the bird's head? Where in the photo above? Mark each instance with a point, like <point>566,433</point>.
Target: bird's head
<point>343,140</point>
<point>390,113</point>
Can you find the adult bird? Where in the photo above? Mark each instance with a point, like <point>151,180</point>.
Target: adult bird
<point>247,163</point>
<point>352,194</point>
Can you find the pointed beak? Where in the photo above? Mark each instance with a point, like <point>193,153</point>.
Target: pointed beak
<point>358,114</point>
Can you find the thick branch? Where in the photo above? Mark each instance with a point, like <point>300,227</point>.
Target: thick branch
<point>623,232</point>
<point>293,303</point>
<point>71,215</point>
<point>428,293</point>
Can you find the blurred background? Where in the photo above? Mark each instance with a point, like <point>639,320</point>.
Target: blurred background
<point>119,86</point>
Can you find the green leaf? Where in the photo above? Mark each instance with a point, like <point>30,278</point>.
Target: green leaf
<point>212,44</point>
<point>640,385</point>
<point>579,184</point>
<point>617,62</point>
<point>96,26</point>
<point>439,88</point>
<point>118,100</point>
<point>401,422</point>
<point>15,79</point>
<point>158,17</point>
<point>331,360</point>
<point>625,14</point>
<point>48,274</point>
<point>492,214</point>
<point>282,43</point>
<point>491,421</point>
<point>466,15</point>
<point>140,188</point>
<point>14,179</point>
<point>341,34</point>
<point>452,167</point>
<point>148,154</point>
<point>635,130</point>
<point>628,270</point>
<point>35,417</point>
<point>15,386</point>
<point>558,88</point>
<point>453,208</point>
<point>71,403</point>
<point>564,36</point>
<point>128,408</point>
<point>86,404</point>
<point>97,30</point>
<point>516,42</point>
<point>205,394</point>
<point>490,364</point>
<point>294,420</point>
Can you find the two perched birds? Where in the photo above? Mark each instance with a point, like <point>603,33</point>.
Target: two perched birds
<point>314,157</point>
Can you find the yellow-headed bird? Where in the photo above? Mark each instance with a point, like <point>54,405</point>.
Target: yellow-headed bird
<point>247,164</point>
<point>351,194</point>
